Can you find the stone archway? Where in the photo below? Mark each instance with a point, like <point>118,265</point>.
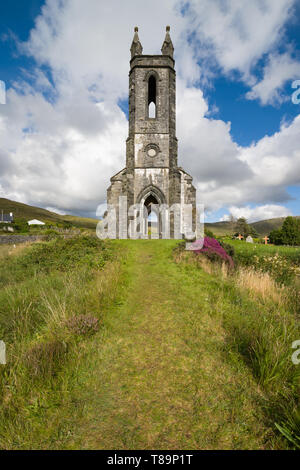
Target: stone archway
<point>152,198</point>
<point>152,225</point>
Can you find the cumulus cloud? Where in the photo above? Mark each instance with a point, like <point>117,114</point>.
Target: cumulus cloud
<point>227,174</point>
<point>215,156</point>
<point>235,35</point>
<point>63,134</point>
<point>253,214</point>
<point>279,69</point>
<point>53,160</point>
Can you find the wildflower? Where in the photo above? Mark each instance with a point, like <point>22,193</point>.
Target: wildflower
<point>212,247</point>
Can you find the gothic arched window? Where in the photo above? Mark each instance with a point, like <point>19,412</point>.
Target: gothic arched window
<point>152,97</point>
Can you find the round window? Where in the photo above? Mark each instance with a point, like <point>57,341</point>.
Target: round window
<point>152,152</point>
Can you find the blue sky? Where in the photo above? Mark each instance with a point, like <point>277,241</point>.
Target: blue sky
<point>17,19</point>
<point>239,76</point>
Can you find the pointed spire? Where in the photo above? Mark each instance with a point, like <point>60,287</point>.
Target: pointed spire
<point>136,46</point>
<point>167,47</point>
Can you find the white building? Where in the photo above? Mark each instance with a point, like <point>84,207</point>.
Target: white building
<point>35,222</point>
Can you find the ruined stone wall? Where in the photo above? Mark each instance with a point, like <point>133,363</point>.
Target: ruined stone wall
<point>152,146</point>
<point>145,177</point>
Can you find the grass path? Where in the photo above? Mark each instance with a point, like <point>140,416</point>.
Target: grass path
<point>160,375</point>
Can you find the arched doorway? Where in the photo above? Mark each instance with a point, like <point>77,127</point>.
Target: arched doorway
<point>152,225</point>
<point>152,198</point>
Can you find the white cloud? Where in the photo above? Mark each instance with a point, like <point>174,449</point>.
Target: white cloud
<point>57,161</point>
<point>227,174</point>
<point>253,214</point>
<point>87,44</point>
<point>54,209</point>
<point>239,33</point>
<point>279,70</point>
<point>235,35</point>
<point>214,159</point>
<point>61,152</point>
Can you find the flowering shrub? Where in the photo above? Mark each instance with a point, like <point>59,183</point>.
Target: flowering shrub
<point>214,251</point>
<point>279,267</point>
<point>282,263</point>
<point>83,324</point>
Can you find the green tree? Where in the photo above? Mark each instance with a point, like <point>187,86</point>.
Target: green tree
<point>289,234</point>
<point>276,237</point>
<point>243,227</point>
<point>291,231</point>
<point>232,223</point>
<point>253,232</point>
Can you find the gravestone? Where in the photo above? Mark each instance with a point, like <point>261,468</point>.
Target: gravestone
<point>266,239</point>
<point>249,239</point>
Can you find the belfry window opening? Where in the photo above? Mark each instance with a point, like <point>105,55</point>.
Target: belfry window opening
<point>152,97</point>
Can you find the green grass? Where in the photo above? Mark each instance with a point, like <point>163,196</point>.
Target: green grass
<point>58,254</point>
<point>183,359</point>
<point>42,288</point>
<point>290,252</point>
<point>263,227</point>
<point>282,262</point>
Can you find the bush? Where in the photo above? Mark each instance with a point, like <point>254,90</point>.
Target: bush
<point>58,254</point>
<point>228,248</point>
<point>215,252</point>
<point>289,234</point>
<point>63,254</point>
<point>282,263</point>
<point>20,225</point>
<point>83,325</point>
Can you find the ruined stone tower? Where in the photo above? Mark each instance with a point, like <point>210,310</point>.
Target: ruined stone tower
<point>152,175</point>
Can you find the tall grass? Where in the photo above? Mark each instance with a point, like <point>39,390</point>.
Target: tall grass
<point>261,284</point>
<point>281,262</point>
<point>71,280</point>
<point>261,320</point>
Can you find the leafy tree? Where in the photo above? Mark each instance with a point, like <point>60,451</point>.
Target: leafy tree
<point>291,231</point>
<point>243,227</point>
<point>289,234</point>
<point>276,237</point>
<point>232,222</point>
<point>253,232</point>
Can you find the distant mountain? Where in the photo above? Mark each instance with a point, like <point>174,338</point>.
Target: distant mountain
<point>263,227</point>
<point>27,212</point>
<point>219,228</point>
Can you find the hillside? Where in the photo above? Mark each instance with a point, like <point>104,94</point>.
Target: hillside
<point>27,212</point>
<point>263,227</point>
<point>219,228</point>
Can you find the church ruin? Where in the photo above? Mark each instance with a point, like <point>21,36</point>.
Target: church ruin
<point>152,177</point>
